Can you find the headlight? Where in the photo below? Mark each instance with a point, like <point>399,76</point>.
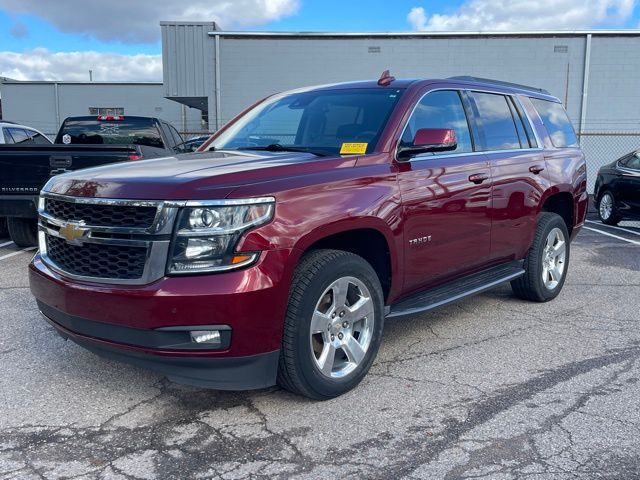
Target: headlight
<point>207,235</point>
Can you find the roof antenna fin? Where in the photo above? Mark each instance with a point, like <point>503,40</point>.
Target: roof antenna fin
<point>386,78</point>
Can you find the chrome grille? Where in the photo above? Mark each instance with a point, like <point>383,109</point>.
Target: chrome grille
<point>106,240</point>
<point>103,215</point>
<point>97,260</point>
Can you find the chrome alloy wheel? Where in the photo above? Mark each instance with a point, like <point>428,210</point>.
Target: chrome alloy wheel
<point>606,206</point>
<point>553,258</point>
<point>342,327</point>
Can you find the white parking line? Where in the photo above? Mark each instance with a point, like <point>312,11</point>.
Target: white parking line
<point>5,244</point>
<point>599,231</point>
<point>613,226</point>
<point>12,254</point>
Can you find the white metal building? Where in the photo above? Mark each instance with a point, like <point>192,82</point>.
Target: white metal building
<point>595,73</point>
<point>44,105</point>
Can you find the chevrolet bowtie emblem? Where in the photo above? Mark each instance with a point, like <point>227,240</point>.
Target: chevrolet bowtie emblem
<point>73,232</point>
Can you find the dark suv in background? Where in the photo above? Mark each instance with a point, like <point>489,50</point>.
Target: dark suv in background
<point>276,253</point>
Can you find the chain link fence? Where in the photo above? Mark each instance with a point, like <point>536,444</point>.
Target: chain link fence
<point>601,148</point>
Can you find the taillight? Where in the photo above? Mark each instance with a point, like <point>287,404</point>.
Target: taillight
<point>111,118</point>
<point>135,156</point>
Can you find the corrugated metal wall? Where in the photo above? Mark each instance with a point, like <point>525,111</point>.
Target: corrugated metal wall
<point>187,59</point>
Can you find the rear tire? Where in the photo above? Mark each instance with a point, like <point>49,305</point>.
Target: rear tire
<point>333,325</point>
<point>546,262</point>
<point>23,231</point>
<point>607,209</point>
<point>4,233</point>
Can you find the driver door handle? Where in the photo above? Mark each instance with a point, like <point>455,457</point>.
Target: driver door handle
<point>478,178</point>
<point>536,169</point>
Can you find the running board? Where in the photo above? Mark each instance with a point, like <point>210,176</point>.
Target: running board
<point>457,289</point>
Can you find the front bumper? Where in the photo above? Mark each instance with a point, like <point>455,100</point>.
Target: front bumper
<point>235,373</point>
<point>137,323</point>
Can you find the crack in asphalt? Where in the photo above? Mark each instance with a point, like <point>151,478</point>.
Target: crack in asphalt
<point>102,447</point>
<point>482,412</point>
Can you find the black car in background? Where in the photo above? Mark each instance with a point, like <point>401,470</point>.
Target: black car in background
<point>617,189</point>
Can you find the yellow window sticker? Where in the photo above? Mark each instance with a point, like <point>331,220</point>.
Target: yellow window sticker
<point>353,148</point>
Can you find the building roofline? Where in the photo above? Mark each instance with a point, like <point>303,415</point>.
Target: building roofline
<point>65,82</point>
<point>527,33</point>
<point>182,22</point>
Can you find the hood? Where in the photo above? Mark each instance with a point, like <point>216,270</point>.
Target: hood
<point>193,176</point>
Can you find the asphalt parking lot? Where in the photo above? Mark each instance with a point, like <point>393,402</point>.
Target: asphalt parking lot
<point>492,387</point>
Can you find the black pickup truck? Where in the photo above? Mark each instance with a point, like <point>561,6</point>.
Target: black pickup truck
<point>82,142</point>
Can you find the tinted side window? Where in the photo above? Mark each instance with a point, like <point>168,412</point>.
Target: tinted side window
<point>531,136</point>
<point>166,131</point>
<point>36,138</point>
<point>633,162</point>
<point>522,135</point>
<point>39,139</point>
<point>177,138</point>
<point>497,122</point>
<point>18,134</point>
<point>440,109</point>
<point>557,123</point>
<point>6,136</point>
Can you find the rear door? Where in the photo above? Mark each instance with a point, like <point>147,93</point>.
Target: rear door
<point>446,215</point>
<point>518,171</point>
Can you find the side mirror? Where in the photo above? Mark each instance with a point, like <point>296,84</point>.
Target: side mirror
<point>429,140</point>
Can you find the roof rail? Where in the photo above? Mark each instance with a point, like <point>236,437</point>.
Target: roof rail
<point>469,78</point>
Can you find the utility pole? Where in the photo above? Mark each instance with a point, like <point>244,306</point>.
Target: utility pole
<point>91,75</point>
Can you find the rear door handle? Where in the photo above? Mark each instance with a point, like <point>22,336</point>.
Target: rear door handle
<point>536,169</point>
<point>478,178</point>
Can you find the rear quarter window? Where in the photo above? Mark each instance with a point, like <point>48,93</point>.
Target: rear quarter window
<point>556,122</point>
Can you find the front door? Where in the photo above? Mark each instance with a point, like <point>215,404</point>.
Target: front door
<point>445,198</point>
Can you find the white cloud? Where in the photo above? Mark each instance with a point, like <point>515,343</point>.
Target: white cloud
<point>41,64</point>
<point>417,18</point>
<point>137,21</point>
<point>477,15</point>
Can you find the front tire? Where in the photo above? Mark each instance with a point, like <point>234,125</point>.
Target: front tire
<point>23,231</point>
<point>546,262</point>
<point>607,209</point>
<point>333,325</point>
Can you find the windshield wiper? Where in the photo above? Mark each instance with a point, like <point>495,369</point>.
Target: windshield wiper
<point>276,147</point>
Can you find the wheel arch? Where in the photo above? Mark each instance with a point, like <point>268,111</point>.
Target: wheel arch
<point>370,238</point>
<point>560,202</point>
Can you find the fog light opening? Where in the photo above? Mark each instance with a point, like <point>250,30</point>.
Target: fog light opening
<point>206,336</point>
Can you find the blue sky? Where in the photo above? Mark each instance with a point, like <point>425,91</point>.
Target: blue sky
<point>119,39</point>
<point>40,33</point>
<point>327,15</point>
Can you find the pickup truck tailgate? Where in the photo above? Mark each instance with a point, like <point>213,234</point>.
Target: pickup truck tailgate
<point>25,169</point>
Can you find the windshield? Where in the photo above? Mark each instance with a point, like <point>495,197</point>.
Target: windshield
<point>106,132</point>
<point>320,121</point>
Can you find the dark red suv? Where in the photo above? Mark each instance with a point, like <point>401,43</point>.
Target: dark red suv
<point>275,253</point>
